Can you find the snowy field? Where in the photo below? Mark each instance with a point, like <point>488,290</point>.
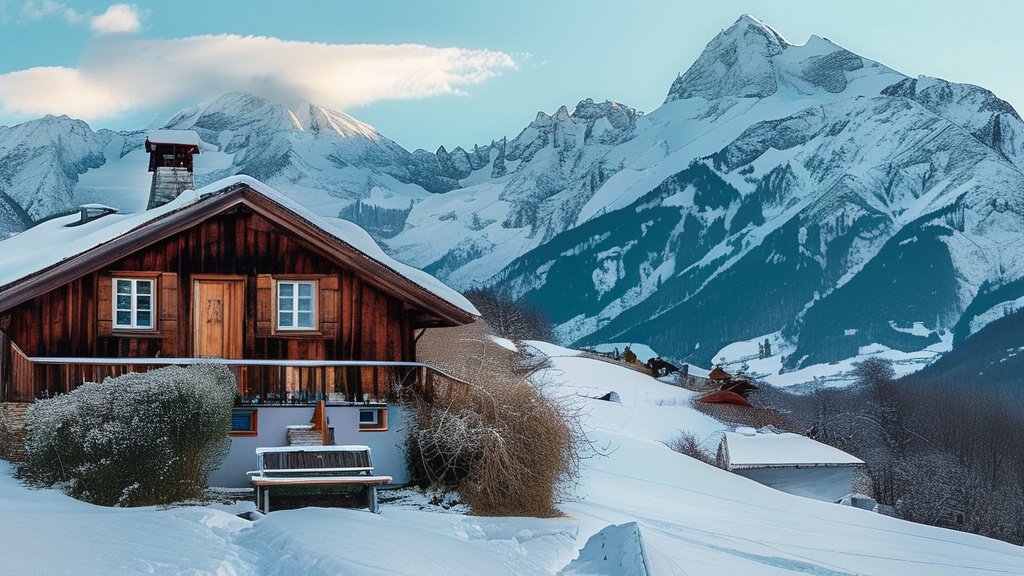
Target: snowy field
<point>692,518</point>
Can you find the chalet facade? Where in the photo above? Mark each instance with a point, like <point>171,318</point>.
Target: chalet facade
<point>302,308</point>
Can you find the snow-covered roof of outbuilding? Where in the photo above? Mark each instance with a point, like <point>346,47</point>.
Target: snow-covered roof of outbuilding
<point>749,449</point>
<point>52,244</point>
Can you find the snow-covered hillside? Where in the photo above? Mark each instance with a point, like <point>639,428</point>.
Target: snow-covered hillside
<point>794,189</point>
<point>692,518</point>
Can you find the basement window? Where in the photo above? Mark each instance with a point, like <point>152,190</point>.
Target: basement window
<point>133,303</point>
<point>296,305</point>
<point>373,419</point>
<point>244,422</point>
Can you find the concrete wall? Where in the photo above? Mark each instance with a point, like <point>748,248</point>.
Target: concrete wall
<point>827,483</point>
<point>387,448</point>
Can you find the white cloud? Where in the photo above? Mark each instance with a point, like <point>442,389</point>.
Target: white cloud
<point>118,19</point>
<point>32,10</point>
<point>58,90</point>
<point>120,74</point>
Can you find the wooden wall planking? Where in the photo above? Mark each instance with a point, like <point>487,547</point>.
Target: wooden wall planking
<point>63,322</point>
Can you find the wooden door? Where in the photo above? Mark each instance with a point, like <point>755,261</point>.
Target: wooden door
<point>218,310</point>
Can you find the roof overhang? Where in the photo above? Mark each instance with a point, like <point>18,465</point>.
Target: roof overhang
<point>773,465</point>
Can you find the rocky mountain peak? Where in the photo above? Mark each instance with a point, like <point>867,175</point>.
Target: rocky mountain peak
<point>737,62</point>
<point>751,60</point>
<point>46,131</point>
<point>749,21</point>
<point>618,115</point>
<point>320,119</point>
<point>235,111</point>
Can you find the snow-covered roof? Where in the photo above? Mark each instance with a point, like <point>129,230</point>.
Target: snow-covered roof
<point>52,242</point>
<point>763,450</point>
<point>187,137</point>
<point>698,371</point>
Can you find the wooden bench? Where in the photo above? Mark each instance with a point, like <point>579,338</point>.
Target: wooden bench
<point>312,466</point>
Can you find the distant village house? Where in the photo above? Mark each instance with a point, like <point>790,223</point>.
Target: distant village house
<point>789,462</point>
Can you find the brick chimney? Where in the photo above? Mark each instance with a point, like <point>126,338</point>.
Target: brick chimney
<point>170,161</point>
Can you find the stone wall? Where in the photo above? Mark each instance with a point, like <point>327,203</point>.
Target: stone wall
<point>12,430</point>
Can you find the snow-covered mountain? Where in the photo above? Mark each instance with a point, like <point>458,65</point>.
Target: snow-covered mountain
<point>795,188</point>
<point>798,191</point>
<point>39,165</point>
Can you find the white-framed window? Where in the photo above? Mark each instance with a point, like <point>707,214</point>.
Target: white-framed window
<point>134,303</point>
<point>373,419</point>
<point>369,417</point>
<point>296,305</point>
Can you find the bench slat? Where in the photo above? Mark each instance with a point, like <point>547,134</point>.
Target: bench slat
<point>315,459</point>
<point>366,480</point>
<point>313,470</point>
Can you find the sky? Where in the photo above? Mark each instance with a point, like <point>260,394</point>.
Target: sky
<point>451,73</point>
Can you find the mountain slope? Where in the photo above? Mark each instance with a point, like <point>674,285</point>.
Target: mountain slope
<point>853,204</point>
<point>40,162</point>
<point>992,358</point>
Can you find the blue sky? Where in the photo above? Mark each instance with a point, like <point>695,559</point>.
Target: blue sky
<point>451,73</point>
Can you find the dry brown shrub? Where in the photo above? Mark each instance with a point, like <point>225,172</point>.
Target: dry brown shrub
<point>688,444</point>
<point>506,450</point>
<point>504,446</point>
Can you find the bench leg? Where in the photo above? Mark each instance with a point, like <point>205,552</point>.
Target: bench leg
<point>266,499</point>
<point>371,498</point>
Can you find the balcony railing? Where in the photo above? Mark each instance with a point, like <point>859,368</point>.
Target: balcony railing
<point>259,381</point>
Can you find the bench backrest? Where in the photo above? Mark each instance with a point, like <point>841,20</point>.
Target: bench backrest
<point>356,461</point>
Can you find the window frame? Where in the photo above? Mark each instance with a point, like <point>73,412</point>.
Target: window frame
<point>314,299</point>
<point>134,295</point>
<point>371,422</point>
<point>254,426</point>
<point>380,423</point>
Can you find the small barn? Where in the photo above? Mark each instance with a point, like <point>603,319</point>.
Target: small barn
<point>304,309</point>
<point>789,462</point>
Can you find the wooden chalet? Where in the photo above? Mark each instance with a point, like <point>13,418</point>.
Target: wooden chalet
<point>235,271</point>
<point>305,310</point>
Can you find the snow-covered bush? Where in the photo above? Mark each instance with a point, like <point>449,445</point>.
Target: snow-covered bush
<point>140,438</point>
<point>507,449</point>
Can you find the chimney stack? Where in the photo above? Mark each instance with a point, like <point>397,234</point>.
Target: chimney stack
<point>170,161</point>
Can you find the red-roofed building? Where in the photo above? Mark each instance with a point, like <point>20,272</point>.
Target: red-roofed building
<point>717,374</point>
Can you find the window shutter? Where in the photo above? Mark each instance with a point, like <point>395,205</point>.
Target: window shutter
<point>167,322</point>
<point>264,305</point>
<point>330,299</point>
<point>105,306</point>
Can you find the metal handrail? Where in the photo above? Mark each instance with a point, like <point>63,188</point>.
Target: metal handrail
<point>59,360</point>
